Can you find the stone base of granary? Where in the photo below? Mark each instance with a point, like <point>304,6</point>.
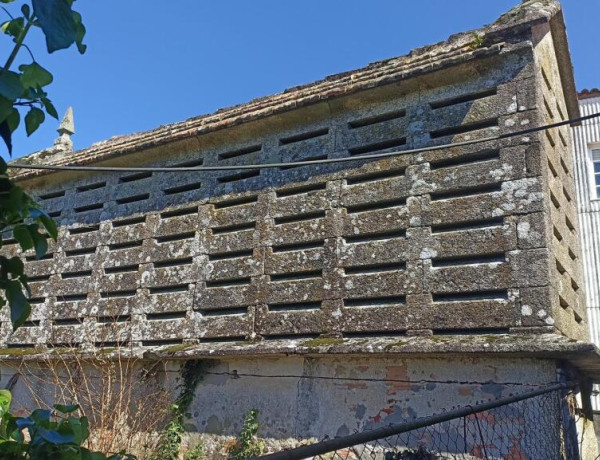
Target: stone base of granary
<point>308,390</point>
<point>313,398</point>
<point>326,397</point>
<point>304,399</point>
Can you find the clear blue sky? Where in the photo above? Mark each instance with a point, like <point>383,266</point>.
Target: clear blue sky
<point>153,62</point>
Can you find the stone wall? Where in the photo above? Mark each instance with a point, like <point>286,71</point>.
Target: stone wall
<point>443,241</point>
<point>567,294</point>
<point>313,398</point>
<point>300,406</point>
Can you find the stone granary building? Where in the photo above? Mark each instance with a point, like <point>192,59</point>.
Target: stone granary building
<point>458,264</point>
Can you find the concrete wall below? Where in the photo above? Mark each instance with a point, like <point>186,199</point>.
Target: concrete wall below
<point>302,406</point>
<point>311,398</point>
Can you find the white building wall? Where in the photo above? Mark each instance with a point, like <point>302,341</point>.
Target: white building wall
<point>586,137</point>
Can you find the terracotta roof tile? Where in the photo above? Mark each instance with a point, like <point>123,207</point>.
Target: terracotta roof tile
<point>588,93</point>
<point>458,48</point>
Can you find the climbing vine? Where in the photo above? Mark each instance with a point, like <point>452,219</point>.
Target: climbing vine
<point>192,373</point>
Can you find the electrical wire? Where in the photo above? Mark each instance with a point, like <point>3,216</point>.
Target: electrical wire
<point>303,162</point>
<point>236,375</point>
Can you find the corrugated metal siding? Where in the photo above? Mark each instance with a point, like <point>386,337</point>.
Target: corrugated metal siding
<point>586,136</point>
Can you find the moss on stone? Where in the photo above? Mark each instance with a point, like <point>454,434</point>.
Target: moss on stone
<point>438,339</point>
<point>323,342</point>
<point>20,351</point>
<point>477,42</point>
<point>399,343</point>
<point>107,350</point>
<point>177,348</point>
<point>490,338</point>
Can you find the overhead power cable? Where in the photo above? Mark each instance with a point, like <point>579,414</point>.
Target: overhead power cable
<point>417,382</point>
<point>237,375</point>
<point>372,156</point>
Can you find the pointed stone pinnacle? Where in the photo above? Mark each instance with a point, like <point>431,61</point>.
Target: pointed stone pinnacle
<point>66,129</point>
<point>67,125</point>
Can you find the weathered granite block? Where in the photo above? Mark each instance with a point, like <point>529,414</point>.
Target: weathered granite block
<point>455,238</point>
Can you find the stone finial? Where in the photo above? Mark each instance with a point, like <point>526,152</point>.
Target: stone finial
<point>67,125</point>
<point>66,130</point>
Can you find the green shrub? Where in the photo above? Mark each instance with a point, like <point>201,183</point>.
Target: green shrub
<point>52,434</point>
<point>196,453</point>
<point>171,438</point>
<point>247,444</point>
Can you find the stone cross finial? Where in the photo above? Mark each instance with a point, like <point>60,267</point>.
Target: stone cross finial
<point>66,130</point>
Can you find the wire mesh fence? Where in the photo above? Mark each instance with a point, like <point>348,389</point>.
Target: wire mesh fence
<point>540,424</point>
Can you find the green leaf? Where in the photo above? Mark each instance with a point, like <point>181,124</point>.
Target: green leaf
<point>39,241</point>
<point>23,423</point>
<point>49,107</point>
<point>34,118</point>
<point>34,75</point>
<point>14,266</point>
<point>6,135</point>
<point>66,409</point>
<point>13,120</point>
<point>5,186</point>
<point>10,125</point>
<point>16,199</point>
<point>14,27</point>
<point>54,436</point>
<point>10,85</point>
<point>25,10</point>
<point>12,449</point>
<point>88,455</point>
<point>79,32</point>
<point>41,416</point>
<point>22,235</point>
<point>19,306</point>
<point>12,430</point>
<point>35,212</point>
<point>5,400</point>
<point>6,108</point>
<point>56,20</point>
<point>80,427</point>
<point>50,226</point>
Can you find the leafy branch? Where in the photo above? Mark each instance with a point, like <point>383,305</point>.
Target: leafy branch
<point>62,27</point>
<point>15,28</point>
<point>52,434</point>
<point>57,433</point>
<point>23,88</point>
